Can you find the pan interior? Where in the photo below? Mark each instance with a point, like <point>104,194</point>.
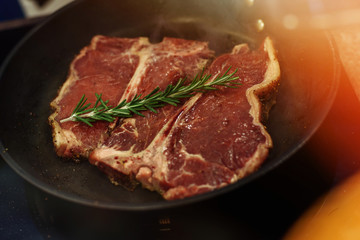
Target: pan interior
<point>37,68</point>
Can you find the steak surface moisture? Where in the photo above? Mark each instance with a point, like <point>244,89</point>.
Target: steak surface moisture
<point>211,140</point>
<point>118,68</point>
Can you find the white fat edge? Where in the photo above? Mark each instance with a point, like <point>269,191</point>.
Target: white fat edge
<point>271,76</point>
<point>170,192</point>
<point>145,175</point>
<point>202,63</point>
<point>254,162</point>
<point>64,137</point>
<point>238,48</point>
<point>134,50</point>
<point>144,55</point>
<point>195,47</point>
<point>182,53</point>
<point>67,137</point>
<point>70,137</point>
<point>209,186</point>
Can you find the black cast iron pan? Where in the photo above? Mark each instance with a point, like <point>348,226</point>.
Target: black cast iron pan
<point>38,66</point>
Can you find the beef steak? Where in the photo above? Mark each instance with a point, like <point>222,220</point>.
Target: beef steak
<point>210,141</point>
<point>118,68</point>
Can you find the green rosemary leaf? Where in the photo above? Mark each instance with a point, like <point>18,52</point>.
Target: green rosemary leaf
<point>120,111</point>
<point>169,101</point>
<point>80,104</point>
<point>185,96</point>
<point>104,118</point>
<point>136,112</point>
<point>98,97</point>
<point>120,104</point>
<point>84,120</point>
<point>83,108</point>
<point>152,93</point>
<point>209,88</point>
<point>151,108</point>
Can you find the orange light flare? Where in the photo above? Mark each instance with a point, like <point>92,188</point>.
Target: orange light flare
<point>339,137</point>
<point>336,215</point>
<point>336,145</point>
<point>311,14</point>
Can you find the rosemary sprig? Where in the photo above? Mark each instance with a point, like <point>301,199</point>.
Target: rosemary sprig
<point>156,99</point>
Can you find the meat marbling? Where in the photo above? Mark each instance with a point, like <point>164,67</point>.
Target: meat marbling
<point>212,140</point>
<point>118,68</point>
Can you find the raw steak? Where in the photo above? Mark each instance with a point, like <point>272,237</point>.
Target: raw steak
<point>118,68</point>
<point>210,141</point>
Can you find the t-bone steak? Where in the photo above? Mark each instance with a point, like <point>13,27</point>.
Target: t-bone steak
<point>118,68</point>
<point>211,140</point>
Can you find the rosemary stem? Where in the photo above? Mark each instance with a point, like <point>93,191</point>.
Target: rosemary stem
<point>69,119</point>
<point>73,116</point>
<point>171,95</point>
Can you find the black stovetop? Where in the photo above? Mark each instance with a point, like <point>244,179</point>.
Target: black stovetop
<point>264,209</point>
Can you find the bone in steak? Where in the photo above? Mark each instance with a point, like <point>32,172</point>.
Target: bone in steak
<point>118,68</point>
<point>212,140</point>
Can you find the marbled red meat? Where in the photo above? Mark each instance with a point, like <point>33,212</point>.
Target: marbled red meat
<point>210,141</point>
<point>118,68</point>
